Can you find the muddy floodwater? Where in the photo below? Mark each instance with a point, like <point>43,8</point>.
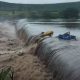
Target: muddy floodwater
<point>12,53</point>
<point>26,65</point>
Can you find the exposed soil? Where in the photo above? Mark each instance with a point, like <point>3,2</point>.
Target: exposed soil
<point>26,65</point>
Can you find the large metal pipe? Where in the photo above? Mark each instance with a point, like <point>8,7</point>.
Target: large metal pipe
<point>26,32</point>
<point>61,57</point>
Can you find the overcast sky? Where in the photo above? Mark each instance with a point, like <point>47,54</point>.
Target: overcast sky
<point>38,1</point>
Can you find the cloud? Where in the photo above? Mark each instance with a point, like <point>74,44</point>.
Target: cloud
<point>38,1</point>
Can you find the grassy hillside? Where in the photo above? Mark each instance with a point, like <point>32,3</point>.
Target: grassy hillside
<point>30,10</point>
<point>39,7</point>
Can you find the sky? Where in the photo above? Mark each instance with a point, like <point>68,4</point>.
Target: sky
<point>38,1</point>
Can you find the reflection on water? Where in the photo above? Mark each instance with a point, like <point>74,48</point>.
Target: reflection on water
<point>72,23</point>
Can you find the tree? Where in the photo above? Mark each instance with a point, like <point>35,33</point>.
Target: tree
<point>70,13</point>
<point>46,15</point>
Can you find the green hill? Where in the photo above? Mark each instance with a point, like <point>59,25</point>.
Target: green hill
<point>33,10</point>
<point>39,7</point>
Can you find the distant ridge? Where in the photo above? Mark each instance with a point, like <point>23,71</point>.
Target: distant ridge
<point>39,4</point>
<point>5,6</point>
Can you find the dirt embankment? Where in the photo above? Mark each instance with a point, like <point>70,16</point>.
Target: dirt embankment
<point>26,66</point>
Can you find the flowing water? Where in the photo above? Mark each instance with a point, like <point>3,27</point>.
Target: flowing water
<point>62,57</point>
<point>57,28</point>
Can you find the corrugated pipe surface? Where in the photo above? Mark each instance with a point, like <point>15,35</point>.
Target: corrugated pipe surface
<point>61,57</point>
<point>26,32</point>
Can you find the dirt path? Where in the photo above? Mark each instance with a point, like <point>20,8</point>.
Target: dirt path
<point>26,66</point>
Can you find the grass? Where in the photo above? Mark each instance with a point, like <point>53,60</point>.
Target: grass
<point>6,73</point>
